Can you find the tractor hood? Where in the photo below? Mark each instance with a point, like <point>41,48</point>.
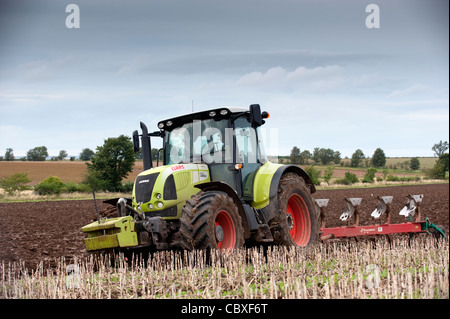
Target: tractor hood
<point>162,191</point>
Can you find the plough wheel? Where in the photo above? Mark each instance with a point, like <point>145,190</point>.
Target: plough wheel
<point>297,222</point>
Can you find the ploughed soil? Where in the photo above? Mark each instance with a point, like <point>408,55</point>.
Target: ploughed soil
<point>36,232</point>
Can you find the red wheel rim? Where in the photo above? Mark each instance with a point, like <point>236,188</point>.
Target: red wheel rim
<point>301,223</point>
<point>224,220</point>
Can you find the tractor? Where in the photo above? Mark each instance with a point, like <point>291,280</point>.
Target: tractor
<point>216,189</point>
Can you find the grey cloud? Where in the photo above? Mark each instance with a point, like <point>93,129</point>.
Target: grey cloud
<point>245,62</point>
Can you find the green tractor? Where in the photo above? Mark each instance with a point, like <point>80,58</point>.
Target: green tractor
<point>216,189</point>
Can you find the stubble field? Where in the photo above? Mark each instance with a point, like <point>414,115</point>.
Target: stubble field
<point>39,239</point>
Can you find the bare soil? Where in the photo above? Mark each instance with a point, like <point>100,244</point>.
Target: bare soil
<point>37,232</point>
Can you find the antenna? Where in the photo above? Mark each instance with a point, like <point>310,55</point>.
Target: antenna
<point>95,203</point>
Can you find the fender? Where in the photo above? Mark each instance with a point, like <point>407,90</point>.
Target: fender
<point>224,187</point>
<point>288,169</point>
<point>265,187</point>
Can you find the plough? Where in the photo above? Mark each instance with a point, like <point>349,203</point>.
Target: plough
<point>411,210</point>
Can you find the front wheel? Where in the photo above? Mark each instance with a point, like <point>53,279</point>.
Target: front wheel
<point>297,222</point>
<point>210,220</point>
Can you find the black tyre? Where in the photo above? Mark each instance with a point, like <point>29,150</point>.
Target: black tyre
<point>211,220</point>
<point>297,222</point>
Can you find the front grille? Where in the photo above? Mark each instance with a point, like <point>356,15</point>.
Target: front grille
<point>168,212</point>
<point>143,187</point>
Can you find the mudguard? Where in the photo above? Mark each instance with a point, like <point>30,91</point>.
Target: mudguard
<point>265,187</point>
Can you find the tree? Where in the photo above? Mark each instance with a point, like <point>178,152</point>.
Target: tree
<point>316,155</point>
<point>437,172</point>
<point>357,157</point>
<point>378,158</point>
<point>323,155</point>
<point>439,148</point>
<point>114,160</point>
<point>337,157</point>
<point>15,182</point>
<point>326,155</point>
<point>314,174</point>
<point>414,164</point>
<point>37,154</point>
<point>9,155</point>
<point>51,185</point>
<point>62,154</point>
<point>443,159</point>
<point>305,156</point>
<point>370,175</point>
<point>328,173</point>
<point>295,155</point>
<point>86,154</point>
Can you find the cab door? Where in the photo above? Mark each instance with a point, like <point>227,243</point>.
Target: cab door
<point>247,154</point>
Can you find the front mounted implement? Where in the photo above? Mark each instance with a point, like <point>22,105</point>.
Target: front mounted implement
<point>110,233</point>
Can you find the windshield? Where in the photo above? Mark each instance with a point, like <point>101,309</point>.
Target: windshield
<point>210,141</point>
<point>201,141</point>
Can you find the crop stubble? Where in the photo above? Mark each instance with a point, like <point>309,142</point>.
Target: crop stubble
<point>38,234</point>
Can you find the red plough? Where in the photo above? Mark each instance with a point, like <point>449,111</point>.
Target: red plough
<point>411,211</point>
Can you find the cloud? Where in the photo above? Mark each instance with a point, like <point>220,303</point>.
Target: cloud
<point>45,70</point>
<point>317,78</point>
<point>412,90</point>
<point>257,78</point>
<point>137,65</point>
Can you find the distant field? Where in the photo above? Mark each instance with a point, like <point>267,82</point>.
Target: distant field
<point>425,162</point>
<point>74,171</point>
<point>67,171</point>
<point>403,162</point>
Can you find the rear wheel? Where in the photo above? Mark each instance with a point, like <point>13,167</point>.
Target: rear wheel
<point>211,220</point>
<point>297,222</point>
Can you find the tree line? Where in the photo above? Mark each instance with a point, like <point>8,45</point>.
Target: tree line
<point>38,153</point>
<point>327,156</point>
<point>114,160</point>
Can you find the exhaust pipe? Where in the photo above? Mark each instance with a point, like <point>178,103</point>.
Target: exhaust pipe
<point>146,148</point>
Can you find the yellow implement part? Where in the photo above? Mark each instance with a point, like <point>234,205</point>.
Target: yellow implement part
<point>110,233</point>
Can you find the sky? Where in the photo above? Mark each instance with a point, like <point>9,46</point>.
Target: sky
<point>325,77</point>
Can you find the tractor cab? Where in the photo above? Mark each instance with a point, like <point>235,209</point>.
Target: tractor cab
<point>227,140</point>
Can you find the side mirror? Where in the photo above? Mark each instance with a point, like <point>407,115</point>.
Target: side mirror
<point>136,141</point>
<point>255,115</point>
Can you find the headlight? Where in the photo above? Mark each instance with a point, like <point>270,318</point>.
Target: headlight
<point>158,196</point>
<point>160,205</point>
